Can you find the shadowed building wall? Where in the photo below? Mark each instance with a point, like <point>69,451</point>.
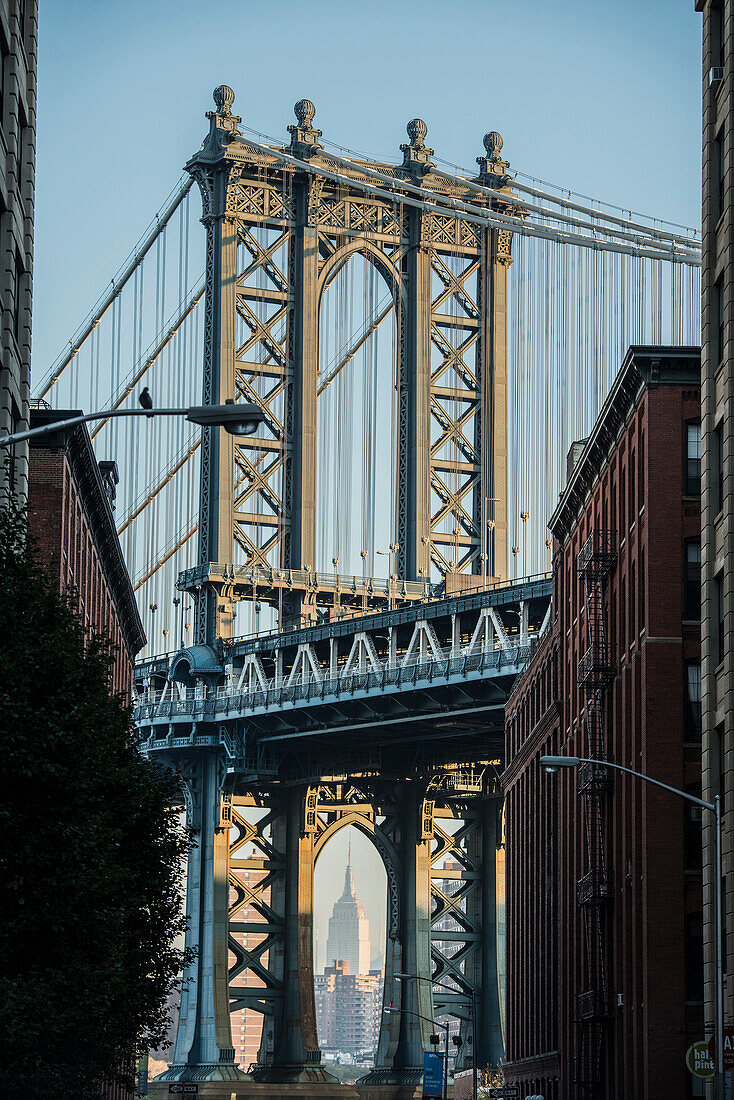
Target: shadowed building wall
<point>608,937</point>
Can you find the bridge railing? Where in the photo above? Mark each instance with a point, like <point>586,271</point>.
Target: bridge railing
<point>173,700</point>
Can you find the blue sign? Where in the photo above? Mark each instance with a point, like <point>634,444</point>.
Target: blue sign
<point>432,1074</point>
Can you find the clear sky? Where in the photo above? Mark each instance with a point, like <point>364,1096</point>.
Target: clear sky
<point>599,95</point>
<point>603,96</point>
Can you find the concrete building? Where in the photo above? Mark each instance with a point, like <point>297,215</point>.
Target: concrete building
<point>717,543</point>
<point>18,39</point>
<point>349,929</point>
<point>70,516</point>
<point>348,1009</point>
<point>604,921</point>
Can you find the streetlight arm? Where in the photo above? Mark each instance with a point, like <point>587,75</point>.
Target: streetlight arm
<point>235,419</point>
<point>572,761</point>
<point>422,978</point>
<point>72,421</point>
<point>408,1012</point>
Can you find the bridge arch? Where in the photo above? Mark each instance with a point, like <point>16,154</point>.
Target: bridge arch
<point>363,821</point>
<point>372,253</point>
<point>358,306</point>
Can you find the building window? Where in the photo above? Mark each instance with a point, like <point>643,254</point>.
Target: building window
<point>719,605</point>
<point>717,469</point>
<point>3,71</point>
<point>21,20</point>
<point>692,579</point>
<point>641,610</point>
<point>693,458</point>
<point>717,168</point>
<point>632,504</point>
<point>694,956</point>
<point>622,499</point>
<point>641,471</point>
<point>17,297</point>
<point>633,587</point>
<point>692,853</point>
<point>719,319</point>
<point>692,710</point>
<point>623,614</point>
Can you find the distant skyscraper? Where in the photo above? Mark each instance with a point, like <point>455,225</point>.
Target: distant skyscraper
<point>349,929</point>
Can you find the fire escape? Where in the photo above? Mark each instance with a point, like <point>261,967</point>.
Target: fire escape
<point>596,673</point>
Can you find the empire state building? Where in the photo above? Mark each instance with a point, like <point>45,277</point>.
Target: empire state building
<point>349,929</point>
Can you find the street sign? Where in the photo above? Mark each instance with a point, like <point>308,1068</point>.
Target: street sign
<point>728,1047</point>
<point>699,1060</point>
<point>505,1092</point>
<point>184,1087</point>
<point>432,1074</point>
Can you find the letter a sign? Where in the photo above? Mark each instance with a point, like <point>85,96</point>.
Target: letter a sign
<point>728,1047</point>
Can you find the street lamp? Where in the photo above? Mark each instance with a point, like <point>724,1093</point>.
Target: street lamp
<point>451,989</point>
<point>235,419</point>
<point>433,1023</point>
<point>555,763</point>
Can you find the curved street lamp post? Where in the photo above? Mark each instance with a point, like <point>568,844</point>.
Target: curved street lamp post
<point>433,1023</point>
<point>235,419</point>
<point>452,989</point>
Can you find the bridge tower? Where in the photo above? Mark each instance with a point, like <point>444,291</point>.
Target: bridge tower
<point>280,224</point>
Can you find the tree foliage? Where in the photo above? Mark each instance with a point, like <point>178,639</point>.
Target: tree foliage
<point>91,855</point>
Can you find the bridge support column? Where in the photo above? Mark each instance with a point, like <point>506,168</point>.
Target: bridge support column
<point>414,477</point>
<point>300,540</point>
<point>488,1044</point>
<point>203,1050</point>
<point>403,1035</point>
<point>296,1058</point>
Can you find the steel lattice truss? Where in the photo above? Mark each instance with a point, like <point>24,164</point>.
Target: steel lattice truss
<point>277,237</point>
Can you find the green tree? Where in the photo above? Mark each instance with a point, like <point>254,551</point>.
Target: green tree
<point>91,852</point>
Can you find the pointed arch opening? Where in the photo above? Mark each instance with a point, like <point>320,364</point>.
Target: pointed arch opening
<point>350,907</point>
<point>357,413</point>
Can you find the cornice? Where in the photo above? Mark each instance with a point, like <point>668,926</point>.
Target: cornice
<point>77,447</point>
<point>548,718</point>
<point>644,367</point>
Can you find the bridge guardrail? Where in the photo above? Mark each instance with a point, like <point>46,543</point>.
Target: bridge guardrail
<point>227,699</point>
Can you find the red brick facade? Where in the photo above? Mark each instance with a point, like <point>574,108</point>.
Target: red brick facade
<point>71,521</point>
<point>633,479</point>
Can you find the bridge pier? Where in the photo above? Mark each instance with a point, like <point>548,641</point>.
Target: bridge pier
<point>295,1057</point>
<point>203,1050</point>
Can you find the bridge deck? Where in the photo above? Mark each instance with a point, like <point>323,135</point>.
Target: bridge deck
<point>438,672</point>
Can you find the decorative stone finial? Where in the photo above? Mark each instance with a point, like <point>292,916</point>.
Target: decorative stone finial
<point>493,143</point>
<point>416,155</point>
<point>304,136</point>
<point>222,123</point>
<point>492,165</point>
<point>304,111</point>
<point>417,131</point>
<point>223,99</point>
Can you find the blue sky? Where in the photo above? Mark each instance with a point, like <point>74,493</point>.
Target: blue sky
<point>599,95</point>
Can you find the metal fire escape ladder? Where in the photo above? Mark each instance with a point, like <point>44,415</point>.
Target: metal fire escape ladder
<point>596,673</point>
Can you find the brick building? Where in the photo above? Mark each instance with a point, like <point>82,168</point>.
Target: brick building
<point>70,516</point>
<point>604,910</point>
<point>18,41</point>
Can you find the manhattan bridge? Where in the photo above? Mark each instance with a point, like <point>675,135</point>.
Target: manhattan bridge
<point>337,606</point>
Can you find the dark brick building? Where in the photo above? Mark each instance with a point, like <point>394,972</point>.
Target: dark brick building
<point>604,920</point>
<point>70,514</point>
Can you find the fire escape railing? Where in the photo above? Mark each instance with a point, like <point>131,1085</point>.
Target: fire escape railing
<point>596,672</point>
